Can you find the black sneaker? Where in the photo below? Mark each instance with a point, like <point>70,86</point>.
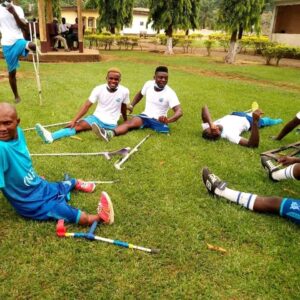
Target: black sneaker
<point>211,181</point>
<point>101,132</point>
<point>269,166</point>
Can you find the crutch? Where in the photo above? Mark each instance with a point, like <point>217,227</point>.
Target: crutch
<point>36,61</point>
<point>61,231</point>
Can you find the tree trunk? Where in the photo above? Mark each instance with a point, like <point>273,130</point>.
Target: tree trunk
<point>112,29</point>
<point>169,34</point>
<point>230,57</point>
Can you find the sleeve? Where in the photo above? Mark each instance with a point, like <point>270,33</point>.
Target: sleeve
<point>20,12</point>
<point>204,126</point>
<point>173,101</point>
<point>145,88</point>
<point>3,167</point>
<point>94,96</point>
<point>298,115</point>
<point>126,98</point>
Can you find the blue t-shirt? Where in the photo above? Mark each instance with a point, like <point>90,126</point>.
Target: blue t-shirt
<point>28,193</point>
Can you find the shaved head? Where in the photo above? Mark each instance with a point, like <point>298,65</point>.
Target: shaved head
<point>7,107</point>
<point>9,122</point>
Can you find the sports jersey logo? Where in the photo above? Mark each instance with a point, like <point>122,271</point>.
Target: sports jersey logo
<point>29,177</point>
<point>295,206</point>
<point>118,100</point>
<point>161,100</point>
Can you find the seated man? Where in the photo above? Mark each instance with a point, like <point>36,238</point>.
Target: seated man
<point>291,170</point>
<point>58,37</point>
<point>159,98</point>
<point>285,207</point>
<point>32,196</point>
<point>231,126</point>
<point>111,99</point>
<point>288,127</point>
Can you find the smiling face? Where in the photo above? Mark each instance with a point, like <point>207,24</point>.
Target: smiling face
<point>161,79</point>
<point>8,122</point>
<point>113,80</point>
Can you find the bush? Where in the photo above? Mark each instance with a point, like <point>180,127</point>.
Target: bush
<point>209,44</point>
<point>278,52</point>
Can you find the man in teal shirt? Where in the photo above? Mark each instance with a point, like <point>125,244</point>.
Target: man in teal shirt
<point>32,196</point>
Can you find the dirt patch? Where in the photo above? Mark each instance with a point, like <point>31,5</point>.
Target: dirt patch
<point>3,76</point>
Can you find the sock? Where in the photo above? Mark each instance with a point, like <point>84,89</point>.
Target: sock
<point>63,133</point>
<point>266,121</point>
<point>286,173</point>
<point>111,133</point>
<point>245,199</point>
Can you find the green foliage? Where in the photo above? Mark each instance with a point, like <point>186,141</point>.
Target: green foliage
<point>113,14</point>
<point>277,52</point>
<point>173,14</point>
<point>209,44</point>
<point>141,3</point>
<point>236,15</point>
<point>208,13</point>
<point>107,40</point>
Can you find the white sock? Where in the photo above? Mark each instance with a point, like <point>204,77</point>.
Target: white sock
<point>245,199</point>
<point>286,173</point>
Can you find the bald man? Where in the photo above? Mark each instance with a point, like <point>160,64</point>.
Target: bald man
<point>111,98</point>
<point>32,196</point>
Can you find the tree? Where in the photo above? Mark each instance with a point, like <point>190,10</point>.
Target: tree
<point>173,14</point>
<point>113,14</point>
<point>236,16</point>
<point>208,9</point>
<point>141,3</point>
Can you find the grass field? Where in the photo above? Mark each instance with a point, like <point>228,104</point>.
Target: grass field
<point>160,200</point>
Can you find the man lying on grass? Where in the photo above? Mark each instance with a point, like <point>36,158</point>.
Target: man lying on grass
<point>111,98</point>
<point>288,127</point>
<point>231,126</point>
<point>285,207</point>
<point>32,196</point>
<point>159,98</point>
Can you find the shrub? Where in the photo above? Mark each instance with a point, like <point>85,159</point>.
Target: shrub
<point>209,44</point>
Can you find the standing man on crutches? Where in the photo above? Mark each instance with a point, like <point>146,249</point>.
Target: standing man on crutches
<point>12,22</point>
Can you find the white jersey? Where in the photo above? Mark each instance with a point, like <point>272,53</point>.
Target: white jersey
<point>298,115</point>
<point>109,104</point>
<point>158,103</point>
<point>233,126</point>
<point>9,28</point>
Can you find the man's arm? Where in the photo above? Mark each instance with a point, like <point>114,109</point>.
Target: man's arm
<point>253,141</point>
<point>124,111</point>
<point>288,160</point>
<point>206,118</point>
<point>20,22</point>
<point>288,128</point>
<point>177,114</point>
<point>83,110</point>
<point>137,98</point>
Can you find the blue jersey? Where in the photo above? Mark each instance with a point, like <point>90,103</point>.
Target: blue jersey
<point>28,193</point>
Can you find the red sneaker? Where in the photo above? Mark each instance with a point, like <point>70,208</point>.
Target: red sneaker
<point>83,186</point>
<point>105,209</point>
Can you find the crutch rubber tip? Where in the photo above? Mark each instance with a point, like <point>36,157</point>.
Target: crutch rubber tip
<point>155,251</point>
<point>60,228</point>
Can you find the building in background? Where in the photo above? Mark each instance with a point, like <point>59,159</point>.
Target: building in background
<point>285,25</point>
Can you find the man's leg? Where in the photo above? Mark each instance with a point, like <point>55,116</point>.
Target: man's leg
<point>13,84</point>
<point>49,137</point>
<point>277,174</point>
<point>216,186</point>
<point>107,135</point>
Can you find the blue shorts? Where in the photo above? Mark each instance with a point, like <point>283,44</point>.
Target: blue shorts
<point>92,119</point>
<point>249,118</point>
<point>290,208</point>
<point>12,54</point>
<point>153,124</point>
<point>59,208</point>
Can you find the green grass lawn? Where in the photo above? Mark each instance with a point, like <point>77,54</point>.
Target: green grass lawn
<point>160,200</point>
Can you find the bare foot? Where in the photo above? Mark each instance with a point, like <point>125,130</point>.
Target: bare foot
<point>17,100</point>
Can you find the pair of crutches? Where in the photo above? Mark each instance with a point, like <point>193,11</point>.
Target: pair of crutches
<point>35,58</point>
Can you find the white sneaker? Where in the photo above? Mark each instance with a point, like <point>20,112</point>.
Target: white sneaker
<point>44,133</point>
<point>100,132</point>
